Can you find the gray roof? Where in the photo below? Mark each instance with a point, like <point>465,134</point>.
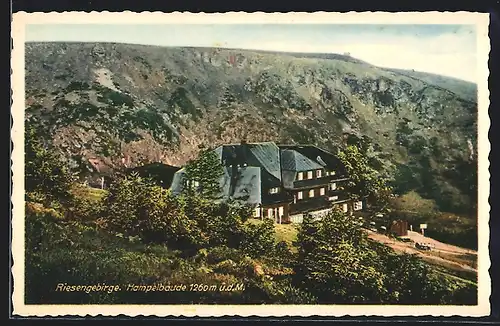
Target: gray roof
<point>247,186</point>
<point>177,182</point>
<point>294,161</point>
<point>268,155</point>
<point>265,155</point>
<point>218,151</point>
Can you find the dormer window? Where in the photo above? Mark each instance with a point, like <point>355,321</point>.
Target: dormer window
<point>274,190</point>
<point>319,173</point>
<point>300,176</point>
<point>309,174</point>
<point>332,186</point>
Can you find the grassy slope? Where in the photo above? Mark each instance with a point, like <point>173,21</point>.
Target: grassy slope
<point>80,253</point>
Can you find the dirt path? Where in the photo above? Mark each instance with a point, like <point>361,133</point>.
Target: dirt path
<point>418,237</point>
<point>442,254</point>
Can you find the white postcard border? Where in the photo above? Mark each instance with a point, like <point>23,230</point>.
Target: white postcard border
<point>21,19</point>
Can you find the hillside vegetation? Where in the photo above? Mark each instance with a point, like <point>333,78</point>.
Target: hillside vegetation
<point>107,107</point>
<point>137,236</point>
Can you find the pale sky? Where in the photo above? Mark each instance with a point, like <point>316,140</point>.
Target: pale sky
<point>448,50</point>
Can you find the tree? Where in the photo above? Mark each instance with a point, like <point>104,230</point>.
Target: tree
<point>47,179</point>
<point>205,173</point>
<point>335,262</point>
<point>365,182</point>
<point>136,207</point>
<point>258,239</point>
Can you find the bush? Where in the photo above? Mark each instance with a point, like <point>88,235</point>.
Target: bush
<point>338,264</point>
<point>137,207</point>
<point>47,179</point>
<point>218,254</point>
<point>258,239</point>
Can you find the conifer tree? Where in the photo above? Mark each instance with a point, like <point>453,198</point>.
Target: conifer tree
<point>203,175</point>
<point>46,177</point>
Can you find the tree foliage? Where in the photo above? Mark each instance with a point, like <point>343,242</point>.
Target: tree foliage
<point>337,263</point>
<point>127,236</point>
<point>47,179</point>
<point>205,172</point>
<point>334,262</point>
<point>365,181</point>
<point>140,208</point>
<point>258,239</point>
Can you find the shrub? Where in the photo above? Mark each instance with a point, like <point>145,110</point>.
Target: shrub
<point>218,254</point>
<point>258,239</point>
<point>138,207</point>
<point>47,179</point>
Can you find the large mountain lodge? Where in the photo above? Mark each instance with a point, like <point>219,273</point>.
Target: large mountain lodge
<point>282,182</point>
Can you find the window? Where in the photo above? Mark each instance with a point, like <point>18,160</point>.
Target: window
<point>309,174</point>
<point>358,205</point>
<point>192,184</point>
<point>256,212</point>
<point>332,172</point>
<point>270,212</point>
<point>344,208</point>
<point>321,191</point>
<point>311,193</point>
<point>299,195</point>
<point>332,198</point>
<point>300,176</point>
<point>332,186</point>
<point>274,190</point>
<point>319,173</point>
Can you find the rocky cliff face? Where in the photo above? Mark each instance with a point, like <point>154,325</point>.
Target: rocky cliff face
<point>107,106</point>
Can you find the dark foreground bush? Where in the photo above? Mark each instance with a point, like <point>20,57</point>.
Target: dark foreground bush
<point>62,253</point>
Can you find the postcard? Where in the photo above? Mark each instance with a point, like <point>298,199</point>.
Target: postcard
<point>250,164</point>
